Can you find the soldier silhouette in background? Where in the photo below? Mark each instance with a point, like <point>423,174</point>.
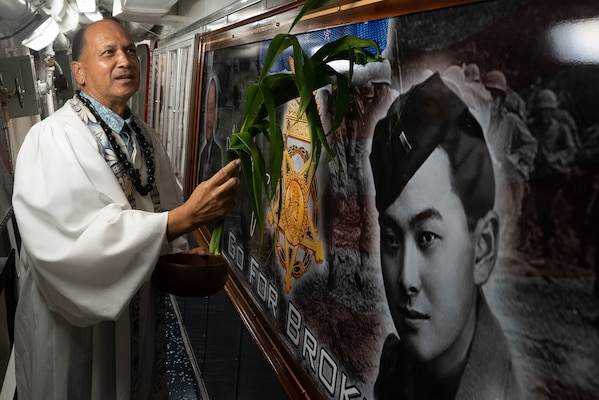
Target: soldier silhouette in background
<point>557,151</point>
<point>513,149</point>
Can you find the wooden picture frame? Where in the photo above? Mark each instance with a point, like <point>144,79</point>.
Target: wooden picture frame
<point>433,35</point>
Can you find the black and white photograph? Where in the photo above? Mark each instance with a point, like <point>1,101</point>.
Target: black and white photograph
<point>306,200</point>
<point>454,245</point>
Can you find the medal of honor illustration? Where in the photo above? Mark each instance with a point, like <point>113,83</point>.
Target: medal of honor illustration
<point>295,220</point>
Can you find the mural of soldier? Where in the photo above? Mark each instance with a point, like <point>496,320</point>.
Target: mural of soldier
<point>543,303</point>
<point>438,241</point>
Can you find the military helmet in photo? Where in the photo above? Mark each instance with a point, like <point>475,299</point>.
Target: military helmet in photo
<point>427,116</point>
<point>496,80</point>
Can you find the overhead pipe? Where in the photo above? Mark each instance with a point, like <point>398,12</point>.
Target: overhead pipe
<point>49,68</point>
<point>13,9</point>
<point>33,21</point>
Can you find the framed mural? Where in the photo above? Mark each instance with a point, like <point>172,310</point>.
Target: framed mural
<point>357,288</point>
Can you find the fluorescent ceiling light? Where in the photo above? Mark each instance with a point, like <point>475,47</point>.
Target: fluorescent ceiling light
<point>576,41</point>
<point>43,35</point>
<point>15,9</point>
<point>144,7</point>
<point>94,16</point>
<point>86,6</point>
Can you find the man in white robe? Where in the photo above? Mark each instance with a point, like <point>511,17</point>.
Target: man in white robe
<point>91,238</point>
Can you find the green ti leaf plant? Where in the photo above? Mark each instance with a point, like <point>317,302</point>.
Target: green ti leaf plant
<point>273,90</point>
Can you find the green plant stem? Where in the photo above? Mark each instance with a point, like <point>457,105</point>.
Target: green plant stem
<point>215,238</point>
<point>274,90</point>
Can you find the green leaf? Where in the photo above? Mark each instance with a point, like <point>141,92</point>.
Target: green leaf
<point>304,74</point>
<point>283,87</point>
<point>276,145</point>
<point>317,136</point>
<point>275,161</point>
<point>275,48</point>
<point>253,102</point>
<point>254,172</point>
<point>340,49</point>
<point>342,100</point>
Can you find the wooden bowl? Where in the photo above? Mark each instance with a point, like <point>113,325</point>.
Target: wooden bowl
<point>191,275</point>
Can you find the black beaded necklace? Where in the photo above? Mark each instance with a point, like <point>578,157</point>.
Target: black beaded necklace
<point>146,147</point>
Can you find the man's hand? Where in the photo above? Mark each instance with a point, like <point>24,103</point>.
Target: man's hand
<point>210,201</point>
<point>200,251</point>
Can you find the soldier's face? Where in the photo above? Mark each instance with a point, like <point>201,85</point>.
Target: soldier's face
<point>427,256</point>
<point>211,111</point>
<point>546,116</point>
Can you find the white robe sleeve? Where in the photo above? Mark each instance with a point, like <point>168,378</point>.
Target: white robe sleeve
<point>89,253</point>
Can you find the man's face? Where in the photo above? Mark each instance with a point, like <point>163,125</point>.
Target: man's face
<point>427,255</point>
<point>210,111</point>
<point>108,68</point>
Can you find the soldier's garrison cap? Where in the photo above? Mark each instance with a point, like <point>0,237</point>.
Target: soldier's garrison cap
<point>430,114</point>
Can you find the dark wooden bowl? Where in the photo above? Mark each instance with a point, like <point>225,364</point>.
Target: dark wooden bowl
<point>191,275</point>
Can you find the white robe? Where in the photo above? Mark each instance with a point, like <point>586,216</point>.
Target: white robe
<point>85,253</point>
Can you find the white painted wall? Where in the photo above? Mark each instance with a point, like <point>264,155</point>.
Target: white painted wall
<point>195,10</point>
